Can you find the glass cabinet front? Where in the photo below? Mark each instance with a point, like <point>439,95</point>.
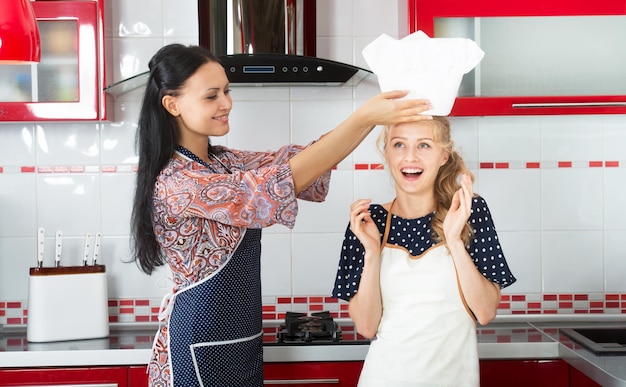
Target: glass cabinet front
<point>66,83</point>
<point>541,56</point>
<point>55,78</point>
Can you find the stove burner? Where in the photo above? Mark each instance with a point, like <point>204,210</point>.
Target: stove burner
<point>299,327</point>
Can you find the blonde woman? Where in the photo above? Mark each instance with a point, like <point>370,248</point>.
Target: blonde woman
<point>420,271</point>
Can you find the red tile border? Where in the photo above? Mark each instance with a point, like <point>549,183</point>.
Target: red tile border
<point>15,312</point>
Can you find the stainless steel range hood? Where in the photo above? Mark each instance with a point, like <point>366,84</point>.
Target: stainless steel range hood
<point>269,42</point>
<point>263,43</point>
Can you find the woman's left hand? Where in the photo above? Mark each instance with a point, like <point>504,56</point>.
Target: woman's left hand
<point>459,210</point>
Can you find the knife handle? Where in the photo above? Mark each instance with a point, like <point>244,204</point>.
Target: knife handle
<point>96,248</point>
<point>87,245</point>
<point>57,250</point>
<point>41,232</point>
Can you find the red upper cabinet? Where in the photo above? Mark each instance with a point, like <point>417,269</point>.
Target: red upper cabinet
<point>541,56</point>
<point>68,83</point>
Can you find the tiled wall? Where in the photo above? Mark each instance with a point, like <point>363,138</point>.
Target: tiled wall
<point>556,184</point>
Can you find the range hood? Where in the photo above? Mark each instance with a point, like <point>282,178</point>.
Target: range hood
<point>263,43</point>
<point>283,69</point>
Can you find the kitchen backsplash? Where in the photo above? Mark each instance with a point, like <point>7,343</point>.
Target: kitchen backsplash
<point>555,184</point>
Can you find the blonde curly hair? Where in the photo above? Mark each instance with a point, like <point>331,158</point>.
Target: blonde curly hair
<point>446,183</point>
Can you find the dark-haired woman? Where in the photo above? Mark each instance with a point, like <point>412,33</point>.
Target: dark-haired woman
<point>421,270</point>
<point>200,209</point>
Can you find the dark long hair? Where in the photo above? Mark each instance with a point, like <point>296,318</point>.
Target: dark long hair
<point>157,134</point>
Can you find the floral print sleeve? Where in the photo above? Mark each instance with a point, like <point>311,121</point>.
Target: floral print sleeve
<point>249,160</point>
<point>253,199</point>
<point>200,212</point>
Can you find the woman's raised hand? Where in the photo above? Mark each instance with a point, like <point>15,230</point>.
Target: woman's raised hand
<point>460,210</point>
<point>387,109</point>
<point>363,226</point>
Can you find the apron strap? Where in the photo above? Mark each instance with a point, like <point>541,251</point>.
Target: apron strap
<point>387,228</point>
<point>167,304</point>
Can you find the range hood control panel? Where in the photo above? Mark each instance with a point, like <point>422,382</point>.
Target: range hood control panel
<point>278,68</point>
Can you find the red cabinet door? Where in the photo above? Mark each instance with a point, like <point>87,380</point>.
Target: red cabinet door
<point>64,376</point>
<point>68,83</point>
<point>306,374</point>
<point>137,376</point>
<point>538,68</point>
<point>524,373</point>
<point>578,379</point>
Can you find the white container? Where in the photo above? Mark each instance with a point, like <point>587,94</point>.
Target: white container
<point>67,303</point>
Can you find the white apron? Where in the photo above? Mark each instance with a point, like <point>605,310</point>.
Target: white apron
<point>427,335</point>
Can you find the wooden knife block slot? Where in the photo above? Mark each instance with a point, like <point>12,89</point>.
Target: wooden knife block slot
<point>67,303</point>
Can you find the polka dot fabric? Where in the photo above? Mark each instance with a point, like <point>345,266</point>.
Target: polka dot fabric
<point>216,326</point>
<point>416,236</point>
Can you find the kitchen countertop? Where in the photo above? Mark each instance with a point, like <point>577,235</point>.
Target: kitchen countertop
<point>508,337</point>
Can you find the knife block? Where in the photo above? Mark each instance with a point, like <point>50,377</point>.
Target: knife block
<point>67,303</point>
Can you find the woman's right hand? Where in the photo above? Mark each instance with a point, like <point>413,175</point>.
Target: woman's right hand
<point>366,306</point>
<point>387,108</point>
<point>362,225</point>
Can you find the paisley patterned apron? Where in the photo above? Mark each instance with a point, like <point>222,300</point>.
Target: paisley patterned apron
<point>427,336</point>
<point>215,326</point>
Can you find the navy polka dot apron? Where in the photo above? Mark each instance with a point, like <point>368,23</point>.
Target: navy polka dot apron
<point>216,325</point>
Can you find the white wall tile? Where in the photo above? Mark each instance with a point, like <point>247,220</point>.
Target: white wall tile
<point>333,18</point>
<point>615,261</point>
<point>331,215</point>
<point>68,144</point>
<point>314,94</point>
<point>572,261</point>
<point>180,18</point>
<point>276,264</point>
<point>118,138</point>
<point>567,139</point>
<point>614,209</point>
<point>367,89</point>
<point>513,196</point>
<point>17,255</point>
<point>522,250</point>
<point>339,49</point>
<point>311,119</point>
<point>69,202</point>
<point>367,152</point>
<point>118,191</point>
<point>375,185</point>
<point>184,40</point>
<point>615,138</point>
<point>18,144</point>
<point>255,93</point>
<point>373,17</point>
<point>131,56</point>
<point>137,18</point>
<point>125,279</point>
<point>510,139</point>
<point>259,126</point>
<point>571,199</point>
<point>465,136</point>
<point>315,259</point>
<point>359,45</point>
<point>18,205</point>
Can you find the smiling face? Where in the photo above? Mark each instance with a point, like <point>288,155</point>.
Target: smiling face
<point>414,157</point>
<point>201,106</point>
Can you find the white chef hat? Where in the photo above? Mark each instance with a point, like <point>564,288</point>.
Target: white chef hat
<point>430,68</point>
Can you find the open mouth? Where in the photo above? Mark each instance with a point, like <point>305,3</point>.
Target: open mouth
<point>411,172</point>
